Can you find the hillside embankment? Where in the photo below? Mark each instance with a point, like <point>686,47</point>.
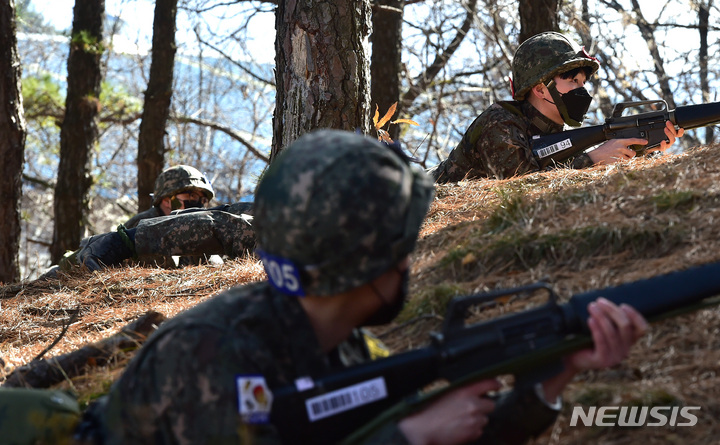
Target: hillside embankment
<point>575,229</point>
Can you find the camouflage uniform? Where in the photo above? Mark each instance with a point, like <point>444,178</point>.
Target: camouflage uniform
<point>498,143</point>
<point>184,385</point>
<point>155,244</point>
<point>223,230</point>
<point>181,388</point>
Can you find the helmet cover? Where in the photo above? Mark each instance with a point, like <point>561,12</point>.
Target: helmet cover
<point>542,57</point>
<point>179,179</point>
<point>335,211</point>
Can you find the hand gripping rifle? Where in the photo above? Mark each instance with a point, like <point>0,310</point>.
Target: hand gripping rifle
<point>352,403</point>
<point>558,147</point>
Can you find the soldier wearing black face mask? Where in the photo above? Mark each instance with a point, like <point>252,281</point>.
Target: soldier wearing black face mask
<point>548,88</point>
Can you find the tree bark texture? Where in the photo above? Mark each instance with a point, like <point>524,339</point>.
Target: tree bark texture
<point>322,68</point>
<point>703,25</point>
<point>79,131</point>
<point>386,59</point>
<point>12,144</point>
<point>537,16</point>
<point>151,146</point>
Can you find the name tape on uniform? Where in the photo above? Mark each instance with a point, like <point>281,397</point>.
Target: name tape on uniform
<point>345,399</point>
<point>554,148</point>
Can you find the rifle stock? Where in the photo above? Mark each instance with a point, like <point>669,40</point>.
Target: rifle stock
<point>558,147</point>
<point>351,404</point>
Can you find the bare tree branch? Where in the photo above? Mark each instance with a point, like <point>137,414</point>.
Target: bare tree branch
<point>227,130</point>
<point>647,32</point>
<point>421,82</point>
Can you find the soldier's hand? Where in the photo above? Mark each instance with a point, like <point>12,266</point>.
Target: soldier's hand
<point>457,417</point>
<point>104,250</point>
<point>615,150</point>
<point>672,135</point>
<point>615,329</point>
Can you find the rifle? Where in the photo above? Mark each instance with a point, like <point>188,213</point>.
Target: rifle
<point>650,125</point>
<point>528,344</point>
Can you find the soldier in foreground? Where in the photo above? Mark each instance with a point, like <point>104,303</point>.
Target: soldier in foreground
<point>338,215</point>
<point>549,73</point>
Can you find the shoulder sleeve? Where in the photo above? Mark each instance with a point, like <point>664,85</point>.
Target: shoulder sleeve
<point>210,232</point>
<point>504,149</point>
<point>178,391</point>
<point>496,145</point>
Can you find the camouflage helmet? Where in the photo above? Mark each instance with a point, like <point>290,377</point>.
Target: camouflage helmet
<point>335,211</point>
<point>178,179</point>
<point>544,56</point>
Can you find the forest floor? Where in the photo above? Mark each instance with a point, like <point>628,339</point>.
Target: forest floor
<point>575,229</point>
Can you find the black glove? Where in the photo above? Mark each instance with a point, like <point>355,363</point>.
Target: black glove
<point>107,249</point>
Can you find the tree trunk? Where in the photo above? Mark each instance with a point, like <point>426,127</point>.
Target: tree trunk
<point>79,132</point>
<point>322,69</point>
<point>151,147</point>
<point>12,144</point>
<point>386,60</point>
<point>537,16</point>
<point>703,23</point>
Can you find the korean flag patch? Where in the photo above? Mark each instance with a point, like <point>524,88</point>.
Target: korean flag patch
<point>254,399</point>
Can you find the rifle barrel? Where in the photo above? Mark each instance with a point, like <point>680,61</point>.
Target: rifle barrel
<point>695,116</point>
<point>656,295</point>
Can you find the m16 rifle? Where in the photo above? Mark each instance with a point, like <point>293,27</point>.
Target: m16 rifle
<point>352,403</point>
<point>650,125</point>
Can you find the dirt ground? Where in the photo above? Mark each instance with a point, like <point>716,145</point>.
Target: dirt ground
<point>577,230</point>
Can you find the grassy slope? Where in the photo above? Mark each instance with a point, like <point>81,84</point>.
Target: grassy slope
<point>578,230</point>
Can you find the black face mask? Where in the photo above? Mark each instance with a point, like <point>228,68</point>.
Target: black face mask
<point>572,105</point>
<point>388,312</point>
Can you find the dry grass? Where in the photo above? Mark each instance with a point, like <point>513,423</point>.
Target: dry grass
<point>105,301</point>
<point>579,230</point>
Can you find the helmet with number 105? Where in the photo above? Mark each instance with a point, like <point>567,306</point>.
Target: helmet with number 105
<point>336,210</point>
<point>544,56</point>
<point>179,179</point>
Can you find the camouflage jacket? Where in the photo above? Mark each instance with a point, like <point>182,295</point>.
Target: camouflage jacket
<point>183,385</point>
<point>222,230</point>
<point>498,145</point>
<point>186,383</point>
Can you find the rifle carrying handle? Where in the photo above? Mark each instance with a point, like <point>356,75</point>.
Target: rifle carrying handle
<point>622,106</point>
